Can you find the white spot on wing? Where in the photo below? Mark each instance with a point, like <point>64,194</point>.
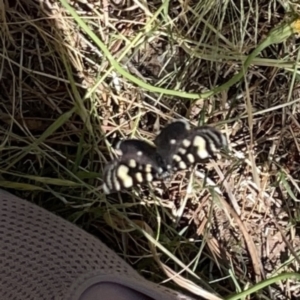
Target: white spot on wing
<point>117,185</point>
<point>139,177</point>
<point>191,158</point>
<point>176,157</point>
<point>186,143</point>
<point>132,163</point>
<point>182,151</point>
<point>200,143</point>
<point>149,177</point>
<point>122,174</point>
<point>182,165</point>
<point>106,190</point>
<point>148,168</point>
<point>139,153</point>
<point>173,142</point>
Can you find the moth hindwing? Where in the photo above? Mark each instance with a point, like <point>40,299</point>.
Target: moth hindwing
<point>138,163</point>
<point>182,147</point>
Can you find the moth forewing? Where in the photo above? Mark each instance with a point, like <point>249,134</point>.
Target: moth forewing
<point>199,144</point>
<point>172,131</point>
<point>167,142</point>
<point>133,146</point>
<point>190,152</point>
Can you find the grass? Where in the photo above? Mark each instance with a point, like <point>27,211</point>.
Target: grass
<point>76,77</point>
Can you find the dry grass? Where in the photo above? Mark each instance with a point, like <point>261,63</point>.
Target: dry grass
<point>63,102</point>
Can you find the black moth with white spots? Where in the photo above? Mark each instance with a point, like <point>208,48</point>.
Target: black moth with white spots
<point>177,147</point>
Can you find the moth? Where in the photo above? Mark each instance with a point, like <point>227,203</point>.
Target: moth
<point>176,147</point>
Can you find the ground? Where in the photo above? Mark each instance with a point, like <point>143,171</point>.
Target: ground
<point>67,95</point>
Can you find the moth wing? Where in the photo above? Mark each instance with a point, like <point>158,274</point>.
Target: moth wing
<point>169,138</point>
<point>200,144</point>
<point>138,164</point>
